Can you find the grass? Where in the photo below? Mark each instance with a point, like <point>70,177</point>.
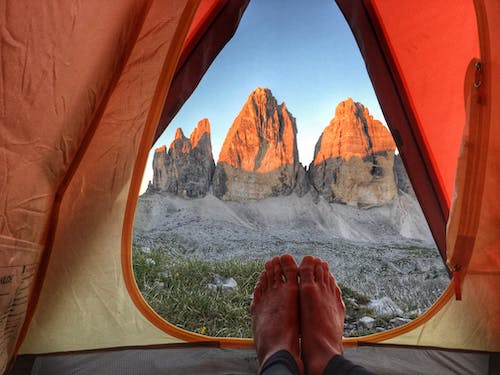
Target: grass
<point>177,289</point>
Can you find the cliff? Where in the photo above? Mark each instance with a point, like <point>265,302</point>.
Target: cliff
<point>354,159</point>
<point>259,157</point>
<point>187,168</point>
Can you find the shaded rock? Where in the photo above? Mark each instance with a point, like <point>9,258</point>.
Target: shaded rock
<point>186,169</point>
<point>366,322</point>
<point>352,302</point>
<point>259,157</point>
<point>158,284</point>
<point>385,306</point>
<point>402,179</point>
<point>223,284</point>
<point>354,159</point>
<point>398,321</point>
<point>302,185</point>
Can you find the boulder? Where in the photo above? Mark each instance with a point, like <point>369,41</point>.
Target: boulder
<point>385,306</point>
<point>366,322</point>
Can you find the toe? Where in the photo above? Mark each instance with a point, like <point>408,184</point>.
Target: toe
<point>338,295</point>
<point>263,281</point>
<point>332,283</point>
<point>326,273</point>
<point>278,272</point>
<point>269,273</point>
<point>306,270</point>
<point>257,294</point>
<point>318,271</point>
<point>289,268</point>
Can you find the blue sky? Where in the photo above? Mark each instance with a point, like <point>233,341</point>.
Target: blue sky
<point>303,51</point>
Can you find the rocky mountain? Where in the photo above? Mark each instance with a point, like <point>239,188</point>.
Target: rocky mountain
<point>259,157</point>
<point>187,167</point>
<point>259,201</point>
<point>354,159</point>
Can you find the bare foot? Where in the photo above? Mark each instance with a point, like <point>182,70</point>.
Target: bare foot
<point>322,314</point>
<point>275,310</point>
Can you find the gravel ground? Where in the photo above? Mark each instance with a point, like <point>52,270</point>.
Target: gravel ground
<point>381,251</point>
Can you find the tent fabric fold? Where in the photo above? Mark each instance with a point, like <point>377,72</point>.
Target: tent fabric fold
<point>83,97</point>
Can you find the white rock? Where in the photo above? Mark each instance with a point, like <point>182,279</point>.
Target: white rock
<point>212,287</point>
<point>398,321</point>
<point>367,322</point>
<point>221,283</point>
<point>158,284</point>
<point>385,306</point>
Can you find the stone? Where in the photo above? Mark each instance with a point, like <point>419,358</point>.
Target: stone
<point>366,322</point>
<point>385,306</point>
<point>354,159</point>
<point>223,284</point>
<point>158,284</point>
<point>259,157</point>
<point>187,168</point>
<point>398,321</point>
<point>402,180</point>
<point>302,185</point>
<point>352,302</point>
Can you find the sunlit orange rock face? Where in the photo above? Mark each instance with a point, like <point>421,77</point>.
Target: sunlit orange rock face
<point>259,157</point>
<point>352,132</point>
<point>187,167</point>
<point>354,159</point>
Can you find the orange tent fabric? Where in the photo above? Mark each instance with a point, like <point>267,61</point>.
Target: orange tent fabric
<point>83,96</point>
<point>71,80</point>
<point>418,77</point>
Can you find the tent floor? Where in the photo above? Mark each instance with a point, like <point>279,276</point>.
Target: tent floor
<point>192,360</point>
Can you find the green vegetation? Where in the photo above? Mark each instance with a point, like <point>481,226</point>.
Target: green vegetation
<point>177,289</point>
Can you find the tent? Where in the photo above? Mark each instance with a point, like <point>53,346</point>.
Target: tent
<point>86,87</point>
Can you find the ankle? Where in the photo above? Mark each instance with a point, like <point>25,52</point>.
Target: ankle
<point>323,352</point>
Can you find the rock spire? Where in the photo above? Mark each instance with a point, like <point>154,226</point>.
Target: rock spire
<point>187,167</point>
<point>354,159</point>
<point>259,157</point>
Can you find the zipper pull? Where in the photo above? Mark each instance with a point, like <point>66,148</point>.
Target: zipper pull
<point>478,82</point>
<point>457,282</point>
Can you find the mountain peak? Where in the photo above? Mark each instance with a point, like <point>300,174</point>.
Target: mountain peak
<point>188,167</point>
<point>261,91</point>
<point>352,132</point>
<point>261,140</point>
<point>179,134</point>
<point>354,158</point>
<point>202,129</point>
<point>262,137</point>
